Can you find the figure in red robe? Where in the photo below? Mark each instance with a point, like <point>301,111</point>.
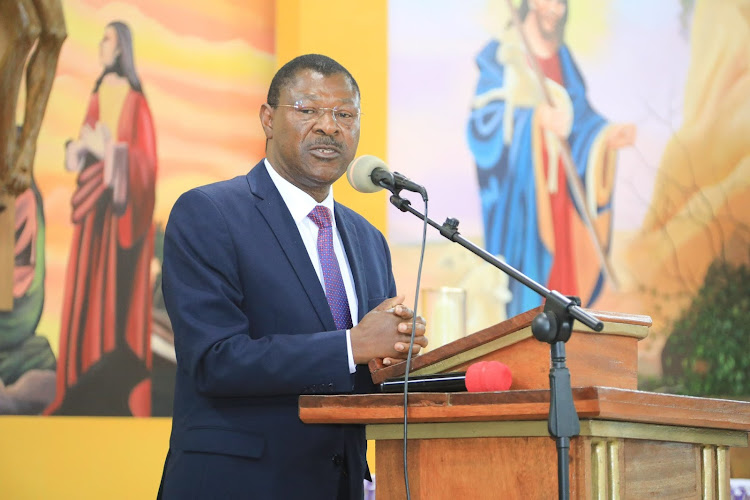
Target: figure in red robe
<point>104,360</point>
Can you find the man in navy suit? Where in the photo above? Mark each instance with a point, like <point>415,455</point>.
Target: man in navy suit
<point>275,290</point>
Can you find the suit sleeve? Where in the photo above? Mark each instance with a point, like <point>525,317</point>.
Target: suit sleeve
<point>204,298</point>
<point>392,292</point>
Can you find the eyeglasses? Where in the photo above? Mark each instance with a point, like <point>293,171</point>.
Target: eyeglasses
<point>345,116</point>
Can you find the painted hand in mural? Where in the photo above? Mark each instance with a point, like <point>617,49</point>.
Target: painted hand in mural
<point>101,164</point>
<point>621,135</point>
<point>97,139</point>
<point>555,119</point>
<point>91,146</point>
<point>85,157</point>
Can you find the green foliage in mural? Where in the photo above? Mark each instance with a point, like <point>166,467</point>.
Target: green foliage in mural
<point>708,352</point>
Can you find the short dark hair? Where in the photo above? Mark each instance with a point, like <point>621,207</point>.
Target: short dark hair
<point>316,62</point>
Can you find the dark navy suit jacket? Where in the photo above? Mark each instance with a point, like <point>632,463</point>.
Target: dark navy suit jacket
<point>253,331</point>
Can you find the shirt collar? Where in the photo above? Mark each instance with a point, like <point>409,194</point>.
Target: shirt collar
<point>297,201</point>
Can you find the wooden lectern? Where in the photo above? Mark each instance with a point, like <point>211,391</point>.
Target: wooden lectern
<point>632,444</point>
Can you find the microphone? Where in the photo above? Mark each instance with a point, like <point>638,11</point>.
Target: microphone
<point>368,174</point>
<point>484,376</point>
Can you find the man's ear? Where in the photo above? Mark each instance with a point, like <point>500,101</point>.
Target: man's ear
<point>266,119</point>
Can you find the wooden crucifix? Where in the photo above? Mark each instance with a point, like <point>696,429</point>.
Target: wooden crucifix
<point>33,31</point>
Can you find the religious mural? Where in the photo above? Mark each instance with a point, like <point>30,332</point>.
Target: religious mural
<point>528,129</point>
<point>597,146</point>
<point>31,35</point>
<point>147,102</point>
<point>105,361</point>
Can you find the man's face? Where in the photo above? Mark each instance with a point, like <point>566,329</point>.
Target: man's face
<point>108,50</point>
<point>549,14</point>
<point>311,152</point>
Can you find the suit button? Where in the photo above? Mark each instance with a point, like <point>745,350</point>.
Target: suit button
<point>338,460</point>
<point>330,387</point>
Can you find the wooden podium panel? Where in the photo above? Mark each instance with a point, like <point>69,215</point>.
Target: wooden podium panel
<point>522,467</point>
<point>495,445</point>
<point>506,468</point>
<point>608,358</point>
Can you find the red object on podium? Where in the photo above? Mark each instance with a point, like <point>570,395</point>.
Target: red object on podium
<point>632,444</point>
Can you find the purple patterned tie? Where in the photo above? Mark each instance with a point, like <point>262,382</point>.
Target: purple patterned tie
<point>334,284</point>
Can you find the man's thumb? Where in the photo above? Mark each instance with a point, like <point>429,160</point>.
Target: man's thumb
<point>389,303</point>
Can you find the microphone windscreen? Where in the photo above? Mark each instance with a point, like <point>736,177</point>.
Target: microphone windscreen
<point>488,376</point>
<point>359,170</point>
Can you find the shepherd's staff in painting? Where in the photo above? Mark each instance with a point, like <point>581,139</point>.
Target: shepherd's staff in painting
<point>560,146</point>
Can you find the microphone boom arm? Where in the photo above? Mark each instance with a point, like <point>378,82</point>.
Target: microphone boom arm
<point>554,325</point>
<point>449,230</point>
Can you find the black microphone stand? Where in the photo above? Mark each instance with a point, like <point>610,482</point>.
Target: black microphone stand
<point>554,326</point>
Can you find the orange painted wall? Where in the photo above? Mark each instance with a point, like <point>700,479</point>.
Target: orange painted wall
<point>121,458</point>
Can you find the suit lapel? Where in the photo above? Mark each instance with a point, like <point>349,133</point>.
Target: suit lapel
<point>350,239</point>
<point>273,209</point>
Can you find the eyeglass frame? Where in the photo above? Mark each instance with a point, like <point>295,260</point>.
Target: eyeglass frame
<point>318,115</point>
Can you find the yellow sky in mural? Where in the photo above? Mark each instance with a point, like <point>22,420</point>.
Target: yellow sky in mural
<point>205,69</point>
<point>588,26</point>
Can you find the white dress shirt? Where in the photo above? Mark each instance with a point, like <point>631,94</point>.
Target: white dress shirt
<point>300,204</point>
